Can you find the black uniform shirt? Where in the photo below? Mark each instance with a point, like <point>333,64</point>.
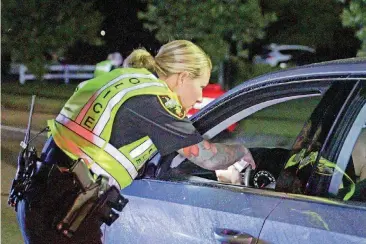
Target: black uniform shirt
<point>144,115</point>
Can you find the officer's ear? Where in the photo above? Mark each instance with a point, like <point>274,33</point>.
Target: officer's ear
<point>183,77</point>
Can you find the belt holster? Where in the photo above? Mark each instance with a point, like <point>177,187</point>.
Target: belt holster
<point>95,202</point>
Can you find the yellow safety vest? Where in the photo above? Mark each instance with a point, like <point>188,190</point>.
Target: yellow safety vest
<point>83,127</point>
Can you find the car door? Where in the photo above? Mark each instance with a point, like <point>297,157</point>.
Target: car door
<point>186,208</point>
<point>323,217</point>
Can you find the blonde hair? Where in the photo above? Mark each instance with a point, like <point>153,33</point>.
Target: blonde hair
<point>174,57</point>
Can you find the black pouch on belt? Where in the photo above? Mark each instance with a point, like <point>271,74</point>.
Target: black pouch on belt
<point>95,202</point>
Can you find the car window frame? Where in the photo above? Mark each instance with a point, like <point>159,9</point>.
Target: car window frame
<point>316,87</point>
<point>347,130</point>
<point>331,147</point>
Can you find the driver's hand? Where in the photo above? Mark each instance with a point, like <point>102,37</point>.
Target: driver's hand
<point>230,175</point>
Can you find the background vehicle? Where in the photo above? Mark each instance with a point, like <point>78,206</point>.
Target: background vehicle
<point>281,55</point>
<point>178,202</point>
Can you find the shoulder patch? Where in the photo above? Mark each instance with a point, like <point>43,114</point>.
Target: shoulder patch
<point>172,106</point>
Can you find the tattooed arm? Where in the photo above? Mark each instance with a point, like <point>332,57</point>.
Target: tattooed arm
<point>214,156</point>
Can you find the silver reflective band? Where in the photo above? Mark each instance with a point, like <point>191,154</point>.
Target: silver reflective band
<point>115,100</point>
<point>240,165</point>
<point>89,136</point>
<point>141,149</point>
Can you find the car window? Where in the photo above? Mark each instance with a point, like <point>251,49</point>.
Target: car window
<point>264,51</point>
<point>308,169</point>
<point>274,126</point>
<point>349,175</point>
<point>289,52</point>
<point>269,133</point>
<point>359,156</point>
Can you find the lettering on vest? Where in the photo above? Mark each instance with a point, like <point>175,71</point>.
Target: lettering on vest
<point>134,81</point>
<point>106,94</point>
<point>98,107</point>
<point>138,161</point>
<point>95,107</point>
<point>116,86</point>
<point>89,120</point>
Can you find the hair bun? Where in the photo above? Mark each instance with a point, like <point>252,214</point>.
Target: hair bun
<point>140,58</point>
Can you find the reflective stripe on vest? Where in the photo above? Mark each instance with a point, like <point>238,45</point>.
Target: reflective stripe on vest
<point>84,126</point>
<point>98,129</point>
<point>109,84</point>
<point>99,142</point>
<point>141,149</point>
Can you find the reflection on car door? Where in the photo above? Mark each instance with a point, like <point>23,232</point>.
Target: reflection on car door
<point>182,212</point>
<point>307,221</point>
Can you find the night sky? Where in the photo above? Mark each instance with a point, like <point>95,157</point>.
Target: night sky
<point>123,33</point>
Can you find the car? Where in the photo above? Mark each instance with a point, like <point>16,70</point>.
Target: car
<point>312,115</point>
<point>282,55</point>
<point>209,93</point>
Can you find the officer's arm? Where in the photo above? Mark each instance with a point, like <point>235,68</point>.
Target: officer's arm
<point>215,156</point>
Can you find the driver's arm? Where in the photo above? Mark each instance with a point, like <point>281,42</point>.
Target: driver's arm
<point>215,156</point>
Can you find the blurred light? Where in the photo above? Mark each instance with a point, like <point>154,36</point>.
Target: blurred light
<point>102,33</point>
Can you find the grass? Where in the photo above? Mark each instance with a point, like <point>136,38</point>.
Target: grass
<point>19,119</point>
<point>10,232</point>
<point>52,89</point>
<point>22,103</point>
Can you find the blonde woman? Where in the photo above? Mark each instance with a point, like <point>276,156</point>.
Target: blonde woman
<point>116,122</point>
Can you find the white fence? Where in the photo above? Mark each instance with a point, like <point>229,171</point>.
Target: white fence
<point>60,72</point>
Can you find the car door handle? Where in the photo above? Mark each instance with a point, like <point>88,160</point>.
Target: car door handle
<point>233,236</point>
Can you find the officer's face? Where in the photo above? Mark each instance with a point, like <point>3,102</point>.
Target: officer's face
<point>189,90</point>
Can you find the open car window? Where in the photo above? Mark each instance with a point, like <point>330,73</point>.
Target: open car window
<point>270,120</point>
<point>286,139</point>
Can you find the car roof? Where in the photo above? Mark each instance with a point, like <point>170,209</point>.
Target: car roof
<point>355,67</point>
<point>344,67</point>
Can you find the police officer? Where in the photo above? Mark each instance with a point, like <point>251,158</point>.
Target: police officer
<point>113,61</point>
<point>115,123</point>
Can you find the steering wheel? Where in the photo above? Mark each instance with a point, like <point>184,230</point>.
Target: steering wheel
<point>260,179</point>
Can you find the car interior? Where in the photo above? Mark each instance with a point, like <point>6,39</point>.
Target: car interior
<point>271,172</point>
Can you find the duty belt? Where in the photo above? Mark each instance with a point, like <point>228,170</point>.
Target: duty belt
<point>96,201</point>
